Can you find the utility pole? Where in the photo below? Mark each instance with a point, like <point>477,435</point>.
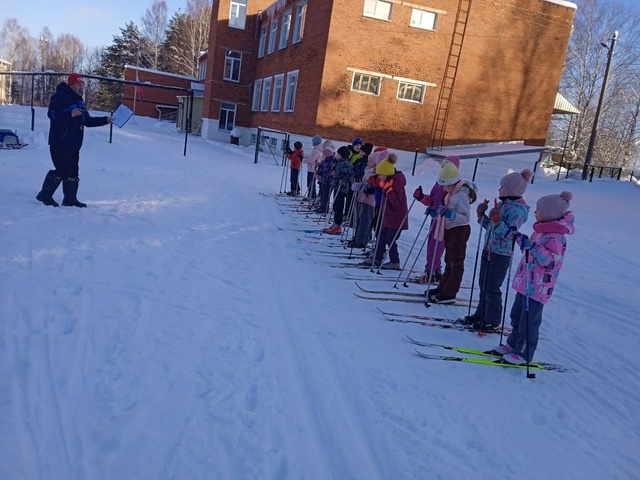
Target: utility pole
<point>594,127</point>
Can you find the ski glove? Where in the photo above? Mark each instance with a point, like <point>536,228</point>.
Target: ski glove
<point>482,208</point>
<point>525,242</point>
<point>447,213</point>
<point>418,194</point>
<point>355,186</point>
<point>432,212</point>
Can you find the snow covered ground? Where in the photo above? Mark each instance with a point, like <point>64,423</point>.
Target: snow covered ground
<point>171,331</point>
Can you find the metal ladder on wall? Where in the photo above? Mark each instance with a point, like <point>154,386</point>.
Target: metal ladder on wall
<point>449,79</point>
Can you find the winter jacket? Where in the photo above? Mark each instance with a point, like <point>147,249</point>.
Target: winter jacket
<point>395,204</point>
<point>545,258</point>
<point>460,202</point>
<point>314,159</point>
<point>367,189</point>
<point>359,166</point>
<point>500,235</point>
<point>343,176</point>
<point>66,131</point>
<point>323,172</point>
<point>295,159</point>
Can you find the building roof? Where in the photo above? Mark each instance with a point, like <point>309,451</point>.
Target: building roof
<point>563,3</point>
<point>159,72</point>
<point>564,106</point>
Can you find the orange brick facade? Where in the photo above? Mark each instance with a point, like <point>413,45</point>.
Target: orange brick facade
<point>505,87</point>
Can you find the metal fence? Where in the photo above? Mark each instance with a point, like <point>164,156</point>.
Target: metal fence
<point>28,95</point>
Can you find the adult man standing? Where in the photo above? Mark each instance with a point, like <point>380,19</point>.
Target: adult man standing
<point>68,116</point>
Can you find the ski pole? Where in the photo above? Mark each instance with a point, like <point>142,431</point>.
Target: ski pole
<point>506,295</point>
<point>409,254</point>
<point>526,308</point>
<point>383,207</point>
<point>395,237</point>
<point>426,239</point>
<point>475,265</point>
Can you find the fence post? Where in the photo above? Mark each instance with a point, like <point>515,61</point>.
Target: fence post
<point>111,130</point>
<point>33,110</point>
<point>591,176</point>
<point>475,169</point>
<point>619,173</point>
<point>258,137</point>
<point>535,169</point>
<point>415,159</point>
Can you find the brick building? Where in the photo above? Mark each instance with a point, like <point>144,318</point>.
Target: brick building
<point>387,70</point>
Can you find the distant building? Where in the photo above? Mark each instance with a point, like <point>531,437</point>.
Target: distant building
<point>5,82</point>
<point>406,75</point>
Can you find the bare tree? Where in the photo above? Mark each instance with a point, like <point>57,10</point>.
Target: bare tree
<point>66,53</point>
<point>154,25</point>
<point>594,25</point>
<point>187,36</point>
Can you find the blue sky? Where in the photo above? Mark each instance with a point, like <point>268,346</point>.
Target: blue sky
<point>95,23</point>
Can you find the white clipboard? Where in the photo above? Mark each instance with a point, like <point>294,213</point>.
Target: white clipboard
<point>122,115</point>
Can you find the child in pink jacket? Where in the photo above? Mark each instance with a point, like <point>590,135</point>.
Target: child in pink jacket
<point>537,274</point>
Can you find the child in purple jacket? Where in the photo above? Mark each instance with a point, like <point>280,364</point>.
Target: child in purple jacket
<point>537,274</point>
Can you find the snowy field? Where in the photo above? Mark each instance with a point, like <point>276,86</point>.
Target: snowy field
<point>171,331</point>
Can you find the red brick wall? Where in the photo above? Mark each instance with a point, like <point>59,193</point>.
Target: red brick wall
<point>153,96</point>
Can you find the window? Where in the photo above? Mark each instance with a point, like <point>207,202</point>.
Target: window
<point>284,32</point>
<point>202,70</point>
<point>377,9</point>
<point>411,92</point>
<point>365,83</point>
<point>266,92</point>
<point>422,19</point>
<point>255,102</point>
<point>238,14</point>
<point>272,36</point>
<point>263,41</point>
<point>278,82</point>
<point>227,116</point>
<point>298,28</point>
<point>232,62</point>
<point>290,92</point>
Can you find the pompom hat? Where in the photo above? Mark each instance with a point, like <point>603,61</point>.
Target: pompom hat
<point>452,159</point>
<point>449,175</point>
<point>515,183</point>
<point>553,207</point>
<point>75,78</point>
<point>328,152</point>
<point>385,167</point>
<point>316,140</point>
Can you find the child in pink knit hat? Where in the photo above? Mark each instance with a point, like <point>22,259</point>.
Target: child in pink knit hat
<point>537,274</point>
<point>502,224</point>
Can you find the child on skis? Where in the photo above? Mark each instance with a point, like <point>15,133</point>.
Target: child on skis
<point>295,162</point>
<point>341,184</point>
<point>312,162</point>
<point>454,227</point>
<point>537,274</point>
<point>323,174</point>
<point>394,213</point>
<point>502,226</point>
<point>435,248</point>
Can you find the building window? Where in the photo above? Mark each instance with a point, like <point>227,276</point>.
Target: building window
<point>232,62</point>
<point>255,102</point>
<point>266,92</point>
<point>411,92</point>
<point>284,32</point>
<point>238,14</point>
<point>202,70</point>
<point>423,19</point>
<point>298,28</point>
<point>272,36</point>
<point>365,83</point>
<point>227,116</point>
<point>377,9</point>
<point>263,41</point>
<point>278,83</point>
<point>290,92</point>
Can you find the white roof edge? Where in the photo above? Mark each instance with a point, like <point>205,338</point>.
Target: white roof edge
<point>563,3</point>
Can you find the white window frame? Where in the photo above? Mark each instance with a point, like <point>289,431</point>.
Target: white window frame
<point>233,122</point>
<point>300,17</point>
<point>266,94</point>
<point>278,88</point>
<point>290,91</point>
<point>232,61</point>
<point>255,101</point>
<point>273,34</point>
<point>423,19</point>
<point>366,77</point>
<point>379,9</point>
<point>238,14</point>
<point>413,86</point>
<point>285,29</point>
<point>263,41</point>
<point>202,70</point>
